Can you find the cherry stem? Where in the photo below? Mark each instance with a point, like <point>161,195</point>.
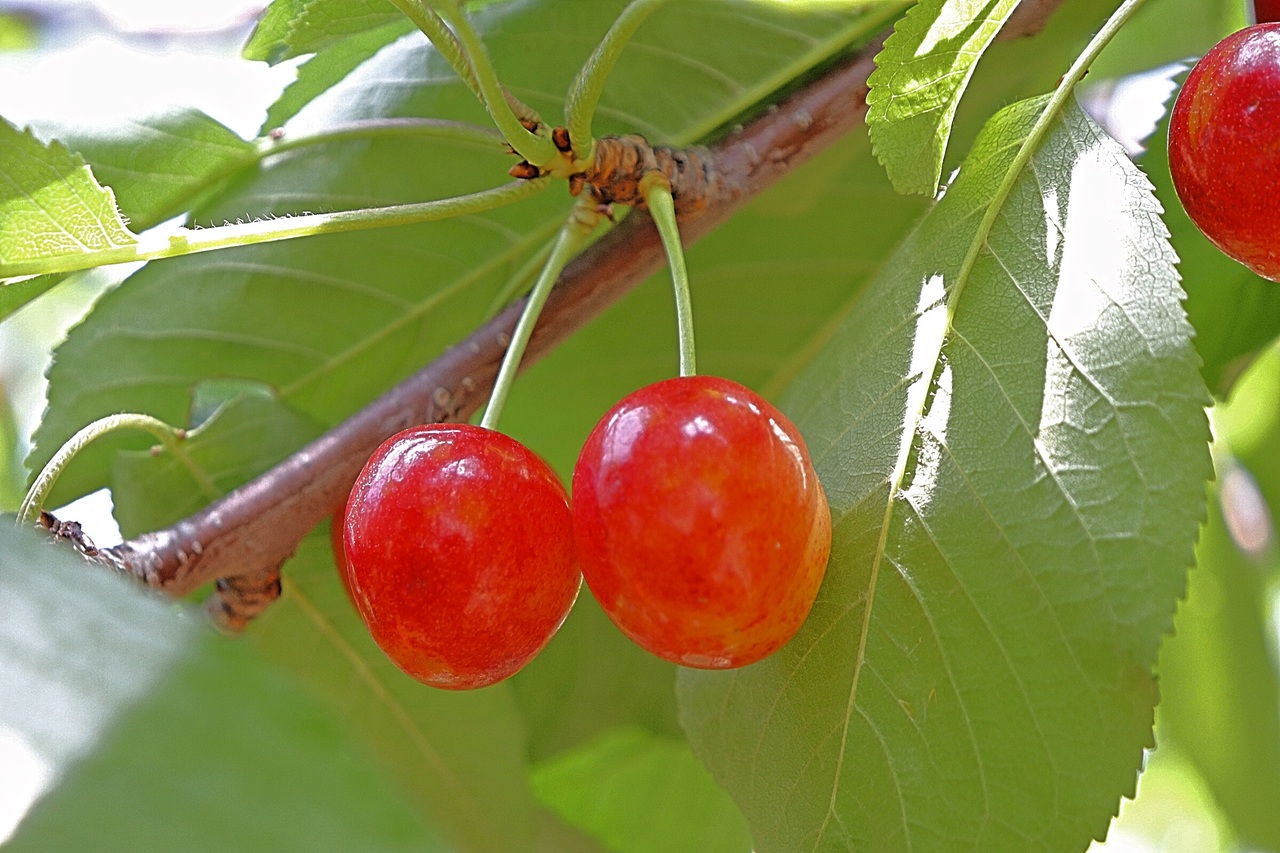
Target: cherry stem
<point>503,108</point>
<point>189,241</point>
<point>573,235</point>
<point>36,496</point>
<point>584,94</point>
<point>662,207</point>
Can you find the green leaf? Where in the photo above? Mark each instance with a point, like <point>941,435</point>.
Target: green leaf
<point>920,76</point>
<point>1010,429</point>
<point>642,793</point>
<point>246,434</point>
<point>330,321</point>
<point>1218,676</point>
<point>290,28</point>
<point>591,678</point>
<point>18,293</point>
<point>159,165</point>
<point>457,756</point>
<point>50,203</point>
<point>329,66</point>
<point>161,736</point>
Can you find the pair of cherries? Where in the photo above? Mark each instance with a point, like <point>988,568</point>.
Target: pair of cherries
<point>697,521</point>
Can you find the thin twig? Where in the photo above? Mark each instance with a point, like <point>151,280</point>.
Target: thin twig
<point>255,528</point>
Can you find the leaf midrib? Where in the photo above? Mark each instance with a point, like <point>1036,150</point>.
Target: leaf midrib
<point>1051,113</point>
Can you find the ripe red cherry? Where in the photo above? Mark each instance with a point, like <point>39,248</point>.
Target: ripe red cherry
<point>701,527</point>
<point>460,553</point>
<point>1265,11</point>
<point>1224,147</point>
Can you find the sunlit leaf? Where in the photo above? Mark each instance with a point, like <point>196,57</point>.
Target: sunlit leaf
<point>50,203</point>
<point>158,166</point>
<point>292,28</point>
<point>1011,434</point>
<point>329,66</point>
<point>919,78</point>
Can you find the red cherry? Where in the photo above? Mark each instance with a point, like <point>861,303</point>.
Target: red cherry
<point>701,527</point>
<point>460,551</point>
<point>1265,11</point>
<point>1224,147</point>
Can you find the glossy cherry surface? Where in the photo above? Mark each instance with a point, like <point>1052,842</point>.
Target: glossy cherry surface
<point>460,551</point>
<point>701,527</point>
<point>1224,147</point>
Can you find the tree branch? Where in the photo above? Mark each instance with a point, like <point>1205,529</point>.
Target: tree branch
<point>252,530</point>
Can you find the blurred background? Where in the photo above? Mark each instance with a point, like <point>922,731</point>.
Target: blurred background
<point>1214,778</point>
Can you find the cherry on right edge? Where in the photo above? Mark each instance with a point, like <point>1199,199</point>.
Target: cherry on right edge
<point>700,524</point>
<point>1224,147</point>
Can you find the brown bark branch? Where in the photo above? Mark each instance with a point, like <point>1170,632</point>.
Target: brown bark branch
<point>257,527</point>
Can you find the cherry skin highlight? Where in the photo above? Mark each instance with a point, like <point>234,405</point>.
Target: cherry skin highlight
<point>1224,147</point>
<point>700,523</point>
<point>460,553</point>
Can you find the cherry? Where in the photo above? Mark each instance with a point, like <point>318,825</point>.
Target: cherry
<point>460,551</point>
<point>701,527</point>
<point>1265,11</point>
<point>1224,147</point>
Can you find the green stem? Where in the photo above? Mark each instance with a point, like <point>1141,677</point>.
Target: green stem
<point>584,94</point>
<point>43,485</point>
<point>187,241</point>
<point>538,150</point>
<point>518,281</point>
<point>657,195</point>
<point>572,237</point>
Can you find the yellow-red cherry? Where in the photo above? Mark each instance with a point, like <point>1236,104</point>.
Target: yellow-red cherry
<point>1224,147</point>
<point>459,546</point>
<point>700,523</point>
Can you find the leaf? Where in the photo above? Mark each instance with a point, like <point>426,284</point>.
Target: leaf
<point>246,434</point>
<point>157,735</point>
<point>328,67</point>
<point>1219,701</point>
<point>159,165</point>
<point>642,793</point>
<point>456,755</point>
<point>1011,433</point>
<point>18,293</point>
<point>290,28</point>
<point>50,203</point>
<point>331,321</point>
<point>919,78</point>
<point>591,678</point>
